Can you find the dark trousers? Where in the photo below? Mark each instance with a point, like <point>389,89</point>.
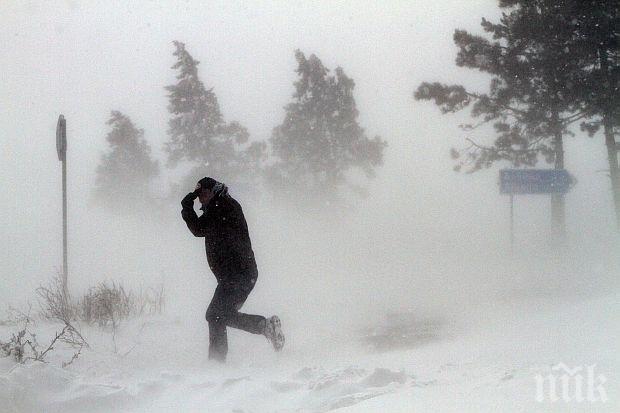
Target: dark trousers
<point>224,312</point>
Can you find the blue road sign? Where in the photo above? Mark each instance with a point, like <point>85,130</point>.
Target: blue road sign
<point>534,181</point>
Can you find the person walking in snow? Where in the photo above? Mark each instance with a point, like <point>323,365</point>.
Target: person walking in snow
<point>231,259</point>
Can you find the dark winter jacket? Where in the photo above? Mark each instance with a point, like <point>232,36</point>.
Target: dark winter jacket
<point>227,242</point>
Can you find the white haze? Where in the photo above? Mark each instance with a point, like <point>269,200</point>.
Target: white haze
<point>426,239</point>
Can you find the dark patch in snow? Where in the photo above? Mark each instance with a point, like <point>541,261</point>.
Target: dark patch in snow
<point>285,386</point>
<point>230,382</point>
<point>402,330</point>
<point>382,377</point>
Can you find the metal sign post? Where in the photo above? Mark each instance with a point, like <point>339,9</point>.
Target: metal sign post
<point>61,149</point>
<point>512,222</point>
<point>532,181</point>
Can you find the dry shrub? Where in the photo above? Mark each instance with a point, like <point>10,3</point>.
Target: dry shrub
<point>54,302</point>
<point>23,345</point>
<point>150,301</point>
<point>18,344</point>
<point>109,303</point>
<point>105,304</point>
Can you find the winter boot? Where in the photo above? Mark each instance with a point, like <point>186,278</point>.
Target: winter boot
<point>273,332</point>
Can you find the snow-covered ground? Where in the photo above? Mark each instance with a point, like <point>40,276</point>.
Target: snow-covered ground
<point>487,359</point>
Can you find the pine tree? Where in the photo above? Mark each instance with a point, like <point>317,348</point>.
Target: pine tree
<point>320,140</point>
<point>534,93</point>
<point>125,174</point>
<point>198,132</point>
<point>596,29</point>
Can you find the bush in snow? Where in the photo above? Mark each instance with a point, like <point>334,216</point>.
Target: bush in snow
<point>55,304</point>
<point>107,304</point>
<point>23,346</point>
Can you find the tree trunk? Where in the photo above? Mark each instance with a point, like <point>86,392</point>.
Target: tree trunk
<point>558,210</point>
<point>610,141</point>
<point>614,169</point>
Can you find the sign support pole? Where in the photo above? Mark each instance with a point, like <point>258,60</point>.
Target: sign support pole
<point>555,182</point>
<point>65,267</point>
<point>61,148</point>
<point>512,223</point>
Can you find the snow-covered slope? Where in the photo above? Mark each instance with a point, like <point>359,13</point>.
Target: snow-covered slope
<point>486,360</point>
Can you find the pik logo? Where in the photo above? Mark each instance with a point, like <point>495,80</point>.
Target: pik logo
<point>578,384</point>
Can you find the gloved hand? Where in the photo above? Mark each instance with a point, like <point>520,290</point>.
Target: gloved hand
<point>188,201</point>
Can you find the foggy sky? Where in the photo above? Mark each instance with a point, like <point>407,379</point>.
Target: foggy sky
<point>84,59</point>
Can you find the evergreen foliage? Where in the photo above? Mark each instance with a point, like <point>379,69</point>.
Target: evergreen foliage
<point>552,63</point>
<point>126,173</point>
<point>535,87</point>
<point>200,135</point>
<point>320,140</point>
